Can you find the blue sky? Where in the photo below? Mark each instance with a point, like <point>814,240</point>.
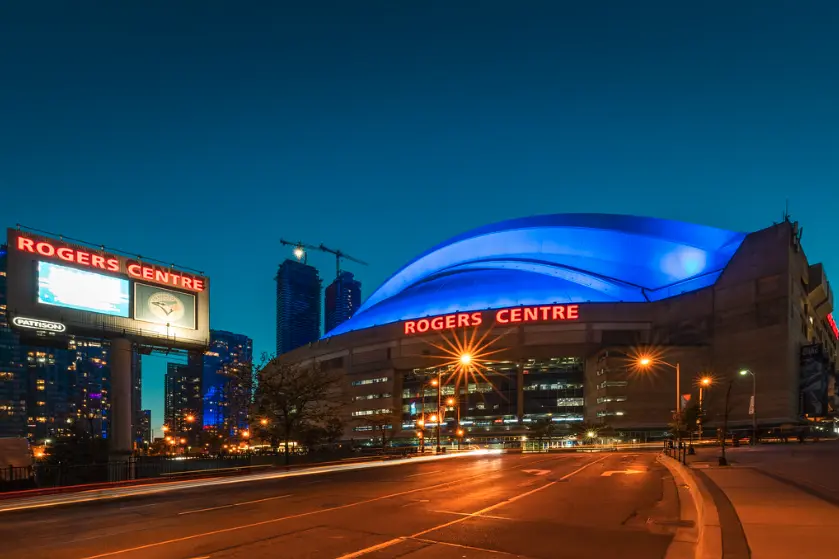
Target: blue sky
<point>202,132</point>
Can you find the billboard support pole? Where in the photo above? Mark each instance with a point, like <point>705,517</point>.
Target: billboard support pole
<point>120,444</point>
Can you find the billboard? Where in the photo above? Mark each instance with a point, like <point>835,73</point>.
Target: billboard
<point>89,291</point>
<point>164,306</point>
<point>86,291</point>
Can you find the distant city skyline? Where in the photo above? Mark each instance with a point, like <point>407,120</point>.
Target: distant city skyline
<point>204,138</point>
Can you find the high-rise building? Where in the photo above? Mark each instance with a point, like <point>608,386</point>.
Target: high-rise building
<point>225,365</point>
<point>298,305</point>
<point>92,361</point>
<point>44,391</point>
<point>137,399</point>
<point>145,427</point>
<point>12,369</point>
<point>343,297</point>
<point>182,399</point>
<point>50,404</point>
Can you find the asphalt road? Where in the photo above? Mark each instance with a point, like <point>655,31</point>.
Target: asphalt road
<point>535,505</point>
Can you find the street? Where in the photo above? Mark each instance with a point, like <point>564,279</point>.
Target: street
<point>548,506</point>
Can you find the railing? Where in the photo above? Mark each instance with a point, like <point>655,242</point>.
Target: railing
<point>676,450</point>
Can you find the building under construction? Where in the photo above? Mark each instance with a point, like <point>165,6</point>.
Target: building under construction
<point>299,297</point>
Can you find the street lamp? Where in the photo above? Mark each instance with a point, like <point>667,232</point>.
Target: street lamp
<point>644,362</point>
<point>753,407</point>
<point>704,382</point>
<point>263,422</point>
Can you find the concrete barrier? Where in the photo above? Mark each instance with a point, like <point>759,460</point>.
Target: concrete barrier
<point>704,539</point>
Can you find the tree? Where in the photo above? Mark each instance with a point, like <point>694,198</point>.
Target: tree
<point>381,420</point>
<point>542,428</point>
<point>290,399</point>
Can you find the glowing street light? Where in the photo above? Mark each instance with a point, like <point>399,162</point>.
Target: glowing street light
<point>450,402</point>
<point>164,428</point>
<point>246,434</point>
<point>183,441</point>
<point>591,434</point>
<point>190,418</point>
<point>299,253</point>
<point>433,418</point>
<point>263,421</point>
<point>420,422</point>
<point>466,359</point>
<point>645,361</point>
<point>752,408</point>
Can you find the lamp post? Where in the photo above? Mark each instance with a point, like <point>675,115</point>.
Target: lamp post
<point>753,407</point>
<point>437,383</point>
<point>704,382</point>
<point>645,362</point>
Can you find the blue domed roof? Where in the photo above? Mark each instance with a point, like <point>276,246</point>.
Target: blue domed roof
<point>552,259</point>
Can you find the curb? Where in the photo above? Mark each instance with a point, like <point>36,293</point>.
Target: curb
<point>705,538</point>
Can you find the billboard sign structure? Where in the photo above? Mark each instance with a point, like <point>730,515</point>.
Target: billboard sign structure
<point>87,291</point>
<point>159,305</point>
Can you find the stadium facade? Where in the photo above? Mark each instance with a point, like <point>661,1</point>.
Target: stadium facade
<point>554,312</point>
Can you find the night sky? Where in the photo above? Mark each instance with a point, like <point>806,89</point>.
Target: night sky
<point>202,132</point>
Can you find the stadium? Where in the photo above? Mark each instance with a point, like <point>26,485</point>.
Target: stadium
<point>545,321</point>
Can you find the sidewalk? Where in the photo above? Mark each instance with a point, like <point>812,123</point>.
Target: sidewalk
<point>775,519</point>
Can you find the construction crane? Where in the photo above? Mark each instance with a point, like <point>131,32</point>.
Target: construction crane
<point>300,249</point>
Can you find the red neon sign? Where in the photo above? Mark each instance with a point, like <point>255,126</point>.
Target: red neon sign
<point>75,256</point>
<point>110,263</point>
<point>833,327</point>
<point>515,315</point>
<point>164,276</point>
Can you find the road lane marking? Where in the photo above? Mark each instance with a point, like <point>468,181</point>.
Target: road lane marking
<point>233,505</point>
<point>280,519</point>
<point>261,500</point>
<point>483,549</point>
<point>513,499</point>
<point>610,473</point>
<point>205,510</point>
<point>473,514</point>
<point>424,474</point>
<point>310,513</point>
<point>537,472</point>
<point>578,470</point>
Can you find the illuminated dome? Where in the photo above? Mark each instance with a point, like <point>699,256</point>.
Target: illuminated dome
<point>552,259</point>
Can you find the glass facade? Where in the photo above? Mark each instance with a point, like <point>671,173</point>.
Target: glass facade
<point>498,398</point>
<point>228,357</point>
<point>298,305</point>
<point>554,387</point>
<point>13,387</point>
<point>342,298</point>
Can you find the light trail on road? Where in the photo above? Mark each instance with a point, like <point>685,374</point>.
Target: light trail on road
<point>149,489</point>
